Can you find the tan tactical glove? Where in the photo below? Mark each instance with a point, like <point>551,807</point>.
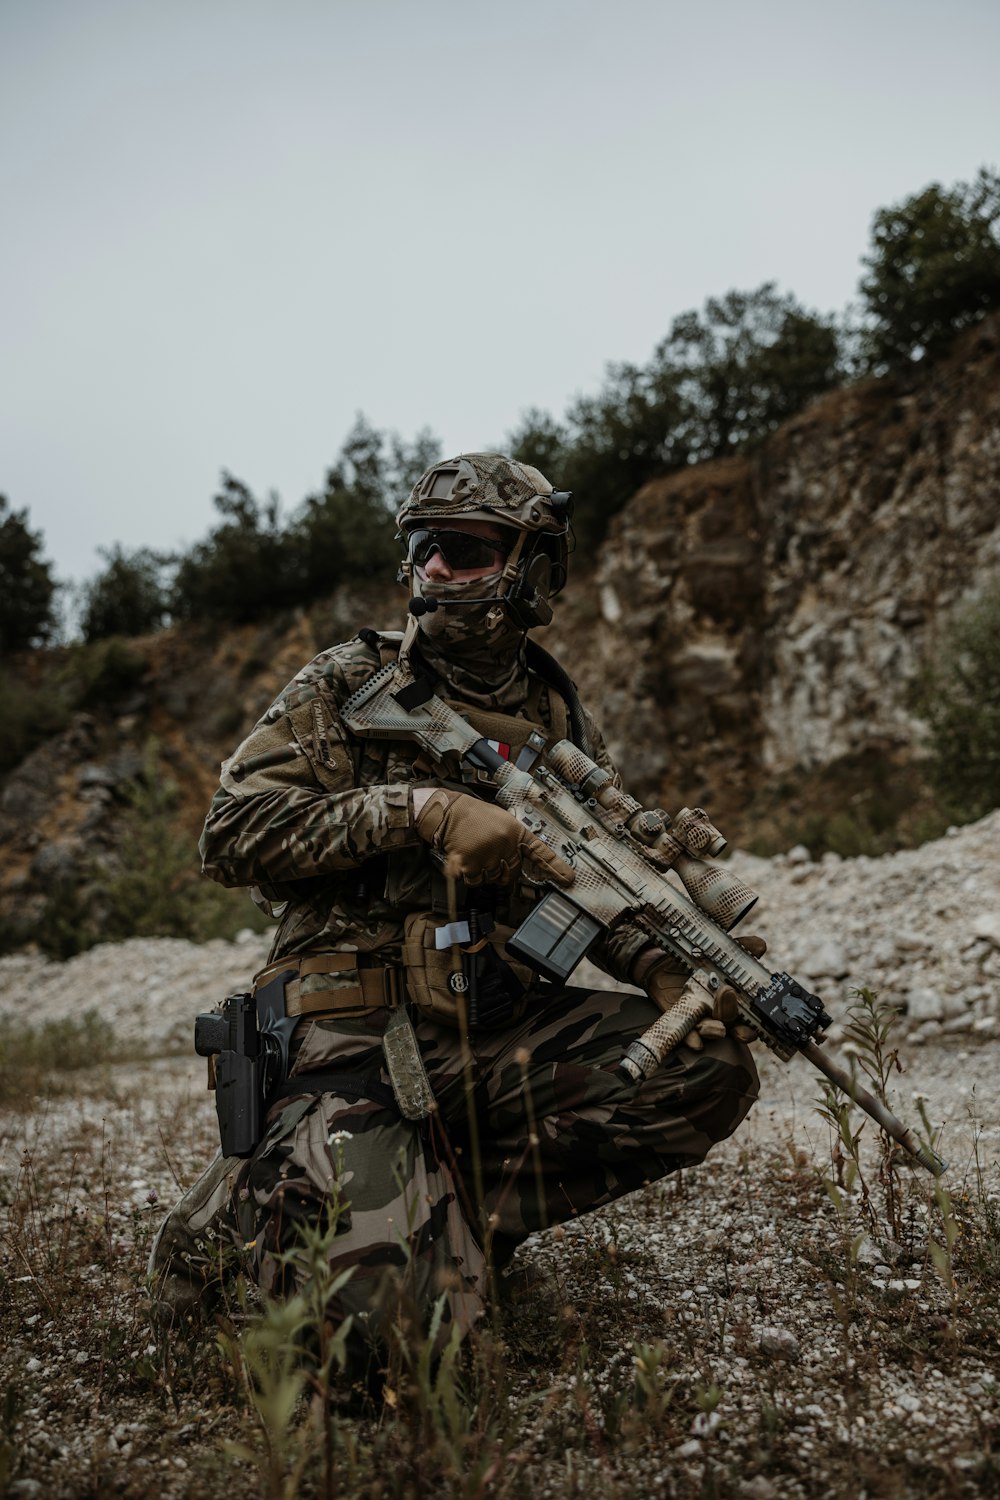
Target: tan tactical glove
<point>663,984</point>
<point>485,845</point>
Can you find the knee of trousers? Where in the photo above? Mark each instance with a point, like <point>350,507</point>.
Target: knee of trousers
<point>397,1230</point>
<point>713,1088</point>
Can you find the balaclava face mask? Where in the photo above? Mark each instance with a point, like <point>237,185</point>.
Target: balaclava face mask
<point>476,660</point>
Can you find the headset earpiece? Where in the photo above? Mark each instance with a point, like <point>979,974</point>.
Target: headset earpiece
<point>527,600</point>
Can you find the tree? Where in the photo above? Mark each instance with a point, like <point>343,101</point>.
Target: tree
<point>745,364</point>
<point>127,598</point>
<point>348,530</point>
<point>721,380</point>
<point>541,441</point>
<point>246,567</point>
<point>252,563</point>
<point>27,588</point>
<point>609,444</point>
<point>933,269</point>
<point>634,428</point>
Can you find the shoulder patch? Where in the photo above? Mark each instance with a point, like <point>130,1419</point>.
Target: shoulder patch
<point>335,673</point>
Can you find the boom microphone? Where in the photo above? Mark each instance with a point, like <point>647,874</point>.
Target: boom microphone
<point>419,606</point>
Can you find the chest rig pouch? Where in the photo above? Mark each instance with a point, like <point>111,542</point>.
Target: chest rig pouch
<point>458,971</point>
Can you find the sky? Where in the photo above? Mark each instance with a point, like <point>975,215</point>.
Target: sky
<point>228,226</point>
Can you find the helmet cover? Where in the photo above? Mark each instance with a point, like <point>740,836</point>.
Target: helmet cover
<point>481,487</point>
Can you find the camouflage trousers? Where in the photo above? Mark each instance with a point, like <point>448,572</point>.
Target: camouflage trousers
<point>533,1127</point>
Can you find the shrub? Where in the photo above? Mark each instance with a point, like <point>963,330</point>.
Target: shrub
<point>152,887</point>
<point>933,269</point>
<point>27,588</point>
<point>37,704</point>
<point>156,888</point>
<point>29,714</point>
<point>958,693</point>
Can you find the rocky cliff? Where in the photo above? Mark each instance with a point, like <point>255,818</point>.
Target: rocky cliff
<point>762,614</point>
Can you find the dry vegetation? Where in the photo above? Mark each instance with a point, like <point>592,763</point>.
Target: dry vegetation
<point>771,1324</point>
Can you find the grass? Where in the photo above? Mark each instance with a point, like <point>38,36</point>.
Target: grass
<point>872,802</point>
<point>644,1364</point>
<point>34,1059</point>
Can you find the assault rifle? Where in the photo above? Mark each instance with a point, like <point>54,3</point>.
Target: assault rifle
<point>622,855</point>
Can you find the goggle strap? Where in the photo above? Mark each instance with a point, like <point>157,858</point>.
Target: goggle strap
<point>511,565</point>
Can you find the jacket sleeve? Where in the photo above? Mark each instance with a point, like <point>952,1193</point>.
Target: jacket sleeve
<point>288,807</point>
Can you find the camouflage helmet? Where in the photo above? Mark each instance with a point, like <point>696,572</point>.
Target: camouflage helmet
<point>492,487</point>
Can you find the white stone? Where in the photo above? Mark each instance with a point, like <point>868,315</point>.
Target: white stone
<point>799,855</point>
<point>923,1004</point>
<point>826,961</point>
<point>988,926</point>
<point>911,942</point>
<point>611,609</point>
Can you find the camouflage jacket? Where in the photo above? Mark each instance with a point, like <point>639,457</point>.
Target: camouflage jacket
<point>322,820</point>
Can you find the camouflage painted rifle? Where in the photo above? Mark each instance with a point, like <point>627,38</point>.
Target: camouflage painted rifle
<point>623,856</point>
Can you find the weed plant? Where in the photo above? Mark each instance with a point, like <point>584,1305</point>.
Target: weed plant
<point>49,1057</point>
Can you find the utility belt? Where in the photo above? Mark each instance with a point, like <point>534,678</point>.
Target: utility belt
<point>340,984</point>
<point>456,973</point>
<point>248,1043</point>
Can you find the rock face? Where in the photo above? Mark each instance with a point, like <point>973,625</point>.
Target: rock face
<point>63,809</point>
<point>763,613</point>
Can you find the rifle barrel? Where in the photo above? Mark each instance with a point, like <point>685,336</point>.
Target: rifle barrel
<point>890,1123</point>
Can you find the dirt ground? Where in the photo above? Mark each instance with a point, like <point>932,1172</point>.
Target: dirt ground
<point>770,1324</point>
<point>797,1366</point>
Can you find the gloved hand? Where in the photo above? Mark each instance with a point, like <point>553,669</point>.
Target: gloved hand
<point>483,844</point>
<point>663,984</point>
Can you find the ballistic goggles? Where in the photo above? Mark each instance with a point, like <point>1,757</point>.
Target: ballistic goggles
<point>459,549</point>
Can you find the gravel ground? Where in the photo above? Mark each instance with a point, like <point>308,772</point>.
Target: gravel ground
<point>730,1332</point>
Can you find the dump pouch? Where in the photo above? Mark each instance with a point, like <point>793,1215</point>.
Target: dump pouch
<point>444,960</point>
